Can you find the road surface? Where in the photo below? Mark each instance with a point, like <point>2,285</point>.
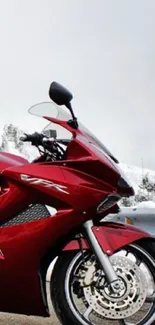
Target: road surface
<point>6,319</point>
<point>12,319</point>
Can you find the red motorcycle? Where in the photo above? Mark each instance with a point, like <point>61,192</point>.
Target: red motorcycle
<point>103,269</point>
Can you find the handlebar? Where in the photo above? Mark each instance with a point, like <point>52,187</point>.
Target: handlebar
<point>50,144</point>
<point>23,138</point>
<point>35,138</point>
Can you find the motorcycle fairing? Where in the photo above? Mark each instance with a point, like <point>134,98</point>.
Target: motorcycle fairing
<point>111,237</point>
<point>24,246</point>
<point>64,183</point>
<point>7,160</point>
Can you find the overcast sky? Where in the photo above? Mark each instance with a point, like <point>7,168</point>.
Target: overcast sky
<point>103,51</point>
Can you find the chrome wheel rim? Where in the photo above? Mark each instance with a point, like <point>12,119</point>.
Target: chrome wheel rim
<point>87,316</point>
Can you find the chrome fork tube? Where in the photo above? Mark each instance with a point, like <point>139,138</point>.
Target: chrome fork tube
<point>101,256</point>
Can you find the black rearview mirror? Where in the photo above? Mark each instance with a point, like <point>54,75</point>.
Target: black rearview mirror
<point>59,94</point>
<point>62,96</point>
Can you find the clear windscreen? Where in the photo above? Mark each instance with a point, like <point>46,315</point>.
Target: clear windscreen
<point>50,109</point>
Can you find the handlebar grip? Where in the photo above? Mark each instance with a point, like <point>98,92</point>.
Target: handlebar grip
<point>35,138</point>
<point>23,138</point>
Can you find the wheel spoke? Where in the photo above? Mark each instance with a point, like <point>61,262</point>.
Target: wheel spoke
<point>127,252</point>
<point>150,298</point>
<point>122,322</point>
<point>87,313</point>
<point>138,261</point>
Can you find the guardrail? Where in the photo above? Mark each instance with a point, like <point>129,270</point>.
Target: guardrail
<point>141,217</point>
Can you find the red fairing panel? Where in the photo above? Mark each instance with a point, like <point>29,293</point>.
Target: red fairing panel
<point>80,190</point>
<point>111,237</point>
<point>8,160</point>
<point>13,198</point>
<point>24,246</point>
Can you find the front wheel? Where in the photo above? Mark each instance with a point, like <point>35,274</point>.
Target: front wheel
<point>81,295</point>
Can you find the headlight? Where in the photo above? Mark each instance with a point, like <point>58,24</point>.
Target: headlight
<point>108,202</point>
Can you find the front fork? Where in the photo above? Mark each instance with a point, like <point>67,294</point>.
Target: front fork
<point>115,283</point>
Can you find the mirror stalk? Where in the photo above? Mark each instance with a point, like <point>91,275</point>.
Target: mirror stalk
<point>73,123</point>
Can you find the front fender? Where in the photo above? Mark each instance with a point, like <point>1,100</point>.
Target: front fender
<point>111,237</point>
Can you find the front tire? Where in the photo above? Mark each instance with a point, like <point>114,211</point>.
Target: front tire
<point>64,284</point>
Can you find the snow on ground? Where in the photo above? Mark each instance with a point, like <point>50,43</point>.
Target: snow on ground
<point>146,204</point>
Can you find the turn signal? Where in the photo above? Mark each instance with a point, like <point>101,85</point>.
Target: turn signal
<point>128,221</point>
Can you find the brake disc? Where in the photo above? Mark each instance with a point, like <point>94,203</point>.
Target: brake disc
<point>120,305</point>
